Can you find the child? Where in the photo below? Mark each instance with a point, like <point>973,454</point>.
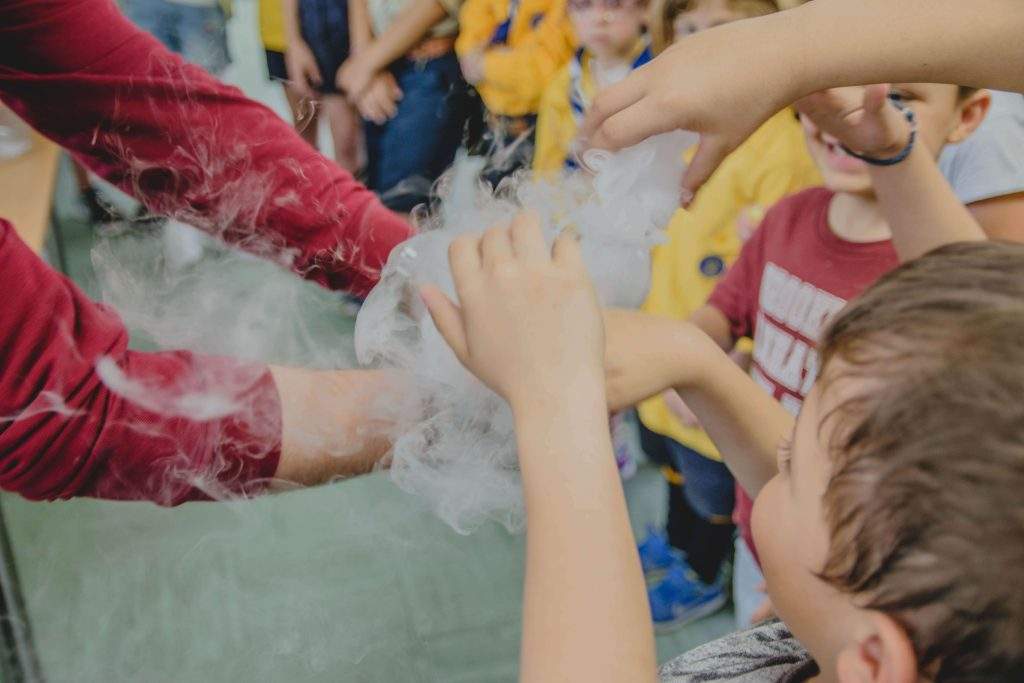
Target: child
<point>987,170</point>
<point>272,35</point>
<point>509,50</point>
<point>317,38</point>
<point>702,242</point>
<point>404,78</point>
<point>888,522</point>
<point>813,252</point>
<point>610,34</point>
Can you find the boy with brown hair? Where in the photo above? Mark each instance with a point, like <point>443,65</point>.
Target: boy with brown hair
<point>702,242</point>
<point>889,514</point>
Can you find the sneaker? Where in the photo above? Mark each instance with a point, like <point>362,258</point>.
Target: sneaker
<point>682,597</point>
<point>656,554</point>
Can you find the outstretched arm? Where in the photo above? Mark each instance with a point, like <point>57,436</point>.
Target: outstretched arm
<point>83,415</point>
<point>705,83</point>
<point>187,145</point>
<point>528,326</point>
<point>647,355</point>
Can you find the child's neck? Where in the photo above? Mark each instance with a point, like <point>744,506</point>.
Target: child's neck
<point>607,69</point>
<point>855,218</point>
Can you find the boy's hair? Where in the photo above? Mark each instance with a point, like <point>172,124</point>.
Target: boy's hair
<point>925,503</point>
<point>664,13</point>
<point>966,91</point>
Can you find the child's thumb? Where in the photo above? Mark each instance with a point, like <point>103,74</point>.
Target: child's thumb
<point>448,319</point>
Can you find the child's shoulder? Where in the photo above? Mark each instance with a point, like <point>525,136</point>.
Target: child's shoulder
<point>768,652</point>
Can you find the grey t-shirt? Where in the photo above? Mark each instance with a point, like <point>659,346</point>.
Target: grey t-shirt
<point>764,654</point>
<point>990,163</point>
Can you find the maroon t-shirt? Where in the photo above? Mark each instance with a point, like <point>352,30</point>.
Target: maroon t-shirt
<point>791,278</point>
<point>190,147</point>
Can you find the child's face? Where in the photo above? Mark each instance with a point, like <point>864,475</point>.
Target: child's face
<point>793,539</point>
<point>941,118</point>
<point>705,14</point>
<point>608,29</point>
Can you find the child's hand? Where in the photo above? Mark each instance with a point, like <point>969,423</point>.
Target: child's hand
<point>860,118</point>
<point>380,101</point>
<point>646,355</point>
<point>528,324</point>
<point>473,67</point>
<point>354,78</point>
<point>303,72</point>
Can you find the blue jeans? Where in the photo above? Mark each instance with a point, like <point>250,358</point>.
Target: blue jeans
<point>324,25</point>
<point>708,485</point>
<point>199,34</point>
<point>408,153</point>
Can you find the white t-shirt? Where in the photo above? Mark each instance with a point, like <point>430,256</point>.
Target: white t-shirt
<point>990,163</point>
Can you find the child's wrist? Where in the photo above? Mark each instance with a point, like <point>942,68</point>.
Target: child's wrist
<point>690,356</point>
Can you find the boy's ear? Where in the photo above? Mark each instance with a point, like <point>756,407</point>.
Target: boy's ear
<point>973,111</point>
<point>882,653</point>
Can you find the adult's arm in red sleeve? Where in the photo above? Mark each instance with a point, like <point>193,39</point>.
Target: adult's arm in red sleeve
<point>81,415</point>
<point>187,145</point>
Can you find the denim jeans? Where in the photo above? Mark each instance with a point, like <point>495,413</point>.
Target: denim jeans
<point>708,485</point>
<point>408,153</point>
<point>199,34</point>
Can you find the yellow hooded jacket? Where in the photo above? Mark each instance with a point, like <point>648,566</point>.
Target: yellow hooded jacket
<point>524,42</point>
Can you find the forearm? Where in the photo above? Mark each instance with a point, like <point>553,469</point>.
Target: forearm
<point>745,423</point>
<point>290,18</point>
<point>334,424</point>
<point>920,206</point>
<point>830,43</point>
<point>585,613</point>
<point>360,30</point>
<point>648,355</point>
<point>190,147</point>
<point>1002,218</point>
<point>408,29</point>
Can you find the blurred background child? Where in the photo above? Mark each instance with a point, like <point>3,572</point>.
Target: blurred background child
<point>318,42</point>
<point>509,51</point>
<point>405,80</point>
<point>304,112</point>
<point>612,43</point>
<point>702,242</point>
<point>987,169</point>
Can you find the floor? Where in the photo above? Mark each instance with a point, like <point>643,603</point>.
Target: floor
<point>350,582</point>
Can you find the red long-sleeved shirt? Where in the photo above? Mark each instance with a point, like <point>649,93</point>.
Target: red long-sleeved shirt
<point>189,147</point>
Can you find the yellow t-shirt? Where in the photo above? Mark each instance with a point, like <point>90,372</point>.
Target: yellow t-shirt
<point>540,41</point>
<point>703,241</point>
<point>556,123</point>
<point>272,25</point>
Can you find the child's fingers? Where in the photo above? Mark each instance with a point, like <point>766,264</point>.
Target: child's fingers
<point>710,153</point>
<point>527,237</point>
<point>464,258</point>
<point>609,102</point>
<point>448,319</point>
<point>496,247</point>
<point>566,251</point>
